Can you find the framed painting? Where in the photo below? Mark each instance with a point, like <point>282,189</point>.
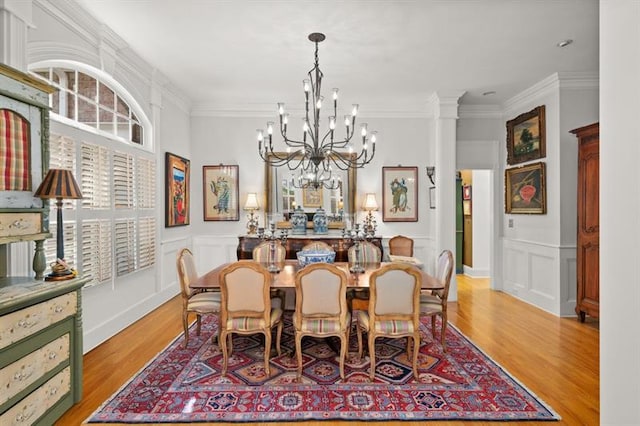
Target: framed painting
<point>312,197</point>
<point>526,137</point>
<point>525,189</point>
<point>466,192</point>
<point>399,194</point>
<point>177,170</point>
<point>220,185</point>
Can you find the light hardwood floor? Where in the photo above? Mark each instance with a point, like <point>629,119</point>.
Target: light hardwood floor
<point>556,358</point>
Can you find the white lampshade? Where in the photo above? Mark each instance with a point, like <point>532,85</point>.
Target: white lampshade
<point>370,202</point>
<point>252,202</point>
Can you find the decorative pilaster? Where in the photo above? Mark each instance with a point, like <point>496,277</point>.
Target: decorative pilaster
<point>15,20</point>
<point>39,260</point>
<point>445,108</point>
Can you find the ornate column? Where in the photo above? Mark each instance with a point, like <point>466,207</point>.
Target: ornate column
<point>15,20</point>
<point>445,112</point>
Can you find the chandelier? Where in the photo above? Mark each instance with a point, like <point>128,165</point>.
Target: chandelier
<point>318,152</point>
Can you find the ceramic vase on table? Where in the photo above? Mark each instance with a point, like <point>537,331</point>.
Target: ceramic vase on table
<point>320,222</point>
<point>299,222</point>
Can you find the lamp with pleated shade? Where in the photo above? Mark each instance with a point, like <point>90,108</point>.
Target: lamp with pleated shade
<point>251,205</point>
<point>61,185</point>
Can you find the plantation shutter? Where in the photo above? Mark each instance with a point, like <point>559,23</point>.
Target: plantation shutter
<point>125,246</point>
<point>96,250</point>
<point>147,241</point>
<point>69,237</point>
<point>123,180</point>
<point>146,183</point>
<point>96,177</point>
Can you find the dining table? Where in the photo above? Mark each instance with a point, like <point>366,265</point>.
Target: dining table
<point>285,278</point>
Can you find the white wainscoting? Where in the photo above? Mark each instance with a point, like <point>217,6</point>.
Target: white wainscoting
<point>541,274</point>
<point>214,250</point>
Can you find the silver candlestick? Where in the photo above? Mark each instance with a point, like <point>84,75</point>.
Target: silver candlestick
<point>355,235</point>
<point>272,237</point>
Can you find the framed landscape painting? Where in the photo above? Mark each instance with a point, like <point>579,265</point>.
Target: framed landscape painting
<point>525,189</point>
<point>177,190</point>
<point>220,185</point>
<point>399,194</point>
<point>526,138</point>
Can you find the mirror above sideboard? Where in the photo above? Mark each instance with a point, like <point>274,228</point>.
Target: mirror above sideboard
<point>282,197</point>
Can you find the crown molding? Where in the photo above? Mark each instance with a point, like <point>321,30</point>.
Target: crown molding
<point>480,111</point>
<point>555,82</point>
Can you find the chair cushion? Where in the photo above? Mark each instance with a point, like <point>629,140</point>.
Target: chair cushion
<point>322,326</point>
<point>388,327</point>
<point>253,323</point>
<point>430,298</point>
<point>208,301</point>
<point>430,308</point>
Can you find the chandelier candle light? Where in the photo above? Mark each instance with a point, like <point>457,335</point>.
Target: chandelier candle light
<point>316,154</point>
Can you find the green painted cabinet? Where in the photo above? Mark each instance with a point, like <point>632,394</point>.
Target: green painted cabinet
<point>40,349</point>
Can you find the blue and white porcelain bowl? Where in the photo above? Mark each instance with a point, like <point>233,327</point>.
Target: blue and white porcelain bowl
<point>307,257</point>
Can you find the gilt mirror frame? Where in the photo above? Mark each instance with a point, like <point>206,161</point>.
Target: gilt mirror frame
<point>349,197</point>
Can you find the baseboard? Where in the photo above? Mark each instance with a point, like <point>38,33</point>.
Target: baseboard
<point>475,273</point>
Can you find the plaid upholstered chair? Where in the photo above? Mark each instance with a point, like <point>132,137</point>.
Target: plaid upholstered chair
<point>369,253</point>
<point>436,303</point>
<point>246,308</point>
<point>393,311</point>
<point>321,307</point>
<point>199,303</point>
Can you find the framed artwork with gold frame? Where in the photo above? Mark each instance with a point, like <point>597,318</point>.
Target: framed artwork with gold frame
<point>526,138</point>
<point>525,189</point>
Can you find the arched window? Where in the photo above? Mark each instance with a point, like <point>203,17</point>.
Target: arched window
<point>100,133</point>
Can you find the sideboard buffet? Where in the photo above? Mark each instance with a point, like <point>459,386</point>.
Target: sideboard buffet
<point>295,243</point>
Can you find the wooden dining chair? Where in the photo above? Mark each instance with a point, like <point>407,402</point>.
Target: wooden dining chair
<point>318,245</point>
<point>197,302</point>
<point>401,246</point>
<point>436,303</point>
<point>393,311</point>
<point>262,253</point>
<point>369,253</point>
<point>246,308</point>
<point>321,308</point>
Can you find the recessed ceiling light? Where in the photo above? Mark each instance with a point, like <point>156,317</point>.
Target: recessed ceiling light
<point>489,93</point>
<point>565,43</point>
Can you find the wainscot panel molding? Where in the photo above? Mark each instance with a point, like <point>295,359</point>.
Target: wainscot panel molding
<point>475,273</point>
<point>540,274</point>
<point>210,251</point>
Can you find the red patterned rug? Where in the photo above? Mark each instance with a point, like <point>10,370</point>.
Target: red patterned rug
<point>184,385</point>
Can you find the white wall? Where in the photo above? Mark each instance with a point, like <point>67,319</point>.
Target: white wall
<point>619,206</point>
<point>482,198</point>
<point>63,32</point>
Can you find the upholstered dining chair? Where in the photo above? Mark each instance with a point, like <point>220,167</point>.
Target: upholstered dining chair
<point>436,303</point>
<point>401,246</point>
<point>318,245</point>
<point>321,308</point>
<point>246,308</point>
<point>393,310</point>
<point>199,303</point>
<point>262,254</point>
<point>369,253</point>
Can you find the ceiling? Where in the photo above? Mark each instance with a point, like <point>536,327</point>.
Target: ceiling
<point>385,55</point>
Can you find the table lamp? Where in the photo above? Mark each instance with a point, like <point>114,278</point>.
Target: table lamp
<point>251,205</point>
<point>370,204</point>
<point>59,184</point>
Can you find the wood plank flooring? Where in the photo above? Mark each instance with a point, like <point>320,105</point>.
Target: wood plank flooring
<point>556,358</point>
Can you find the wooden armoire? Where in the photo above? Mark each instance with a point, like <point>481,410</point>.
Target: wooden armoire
<point>588,238</point>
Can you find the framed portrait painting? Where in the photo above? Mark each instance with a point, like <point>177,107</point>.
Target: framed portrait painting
<point>399,194</point>
<point>177,191</point>
<point>525,189</point>
<point>220,185</point>
<point>526,138</point>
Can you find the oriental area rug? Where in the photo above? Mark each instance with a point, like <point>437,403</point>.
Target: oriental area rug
<point>185,385</point>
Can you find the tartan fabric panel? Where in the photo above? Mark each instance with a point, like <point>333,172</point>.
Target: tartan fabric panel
<point>253,323</point>
<point>14,152</point>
